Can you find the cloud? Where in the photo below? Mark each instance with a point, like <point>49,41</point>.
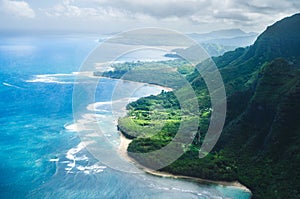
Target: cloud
<point>253,15</point>
<point>119,15</point>
<point>17,9</point>
<point>64,9</point>
<point>230,12</point>
<point>68,8</point>
<point>154,8</point>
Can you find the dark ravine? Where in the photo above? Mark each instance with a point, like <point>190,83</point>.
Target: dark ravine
<point>260,144</point>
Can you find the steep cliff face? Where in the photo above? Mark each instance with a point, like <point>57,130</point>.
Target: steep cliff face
<point>264,135</point>
<point>280,40</point>
<point>268,73</point>
<point>261,138</point>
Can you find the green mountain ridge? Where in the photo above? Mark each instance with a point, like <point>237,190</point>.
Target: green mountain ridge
<point>267,134</point>
<point>264,131</point>
<point>260,143</point>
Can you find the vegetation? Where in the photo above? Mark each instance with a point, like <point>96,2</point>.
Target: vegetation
<point>260,143</point>
<point>166,73</point>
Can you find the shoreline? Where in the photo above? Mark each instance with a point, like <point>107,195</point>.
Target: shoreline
<point>167,89</point>
<point>124,143</point>
<point>123,152</point>
<point>91,74</point>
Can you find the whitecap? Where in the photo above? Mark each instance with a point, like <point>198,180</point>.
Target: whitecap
<point>46,79</point>
<point>71,127</point>
<point>82,158</point>
<point>10,85</point>
<point>71,155</point>
<point>81,168</point>
<point>96,168</point>
<point>60,78</point>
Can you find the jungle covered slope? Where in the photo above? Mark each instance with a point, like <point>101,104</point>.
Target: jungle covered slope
<point>260,143</point>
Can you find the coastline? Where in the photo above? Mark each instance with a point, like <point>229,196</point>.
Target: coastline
<point>124,143</point>
<point>123,152</point>
<point>167,89</point>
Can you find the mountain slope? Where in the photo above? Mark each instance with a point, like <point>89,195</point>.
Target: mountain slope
<point>260,143</point>
<point>265,139</point>
<point>262,133</point>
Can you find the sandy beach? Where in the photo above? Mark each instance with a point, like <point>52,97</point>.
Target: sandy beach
<point>124,143</point>
<point>123,152</point>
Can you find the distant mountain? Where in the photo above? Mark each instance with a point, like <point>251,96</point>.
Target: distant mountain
<point>216,43</point>
<point>228,37</point>
<point>229,33</point>
<point>212,50</point>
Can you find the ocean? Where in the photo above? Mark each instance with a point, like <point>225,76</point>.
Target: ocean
<point>42,155</point>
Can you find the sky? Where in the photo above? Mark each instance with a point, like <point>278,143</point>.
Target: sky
<point>110,16</point>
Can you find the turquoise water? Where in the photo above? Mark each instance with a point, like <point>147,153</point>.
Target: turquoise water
<point>41,157</point>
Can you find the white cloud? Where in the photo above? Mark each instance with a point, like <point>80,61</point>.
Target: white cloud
<point>17,8</point>
<point>63,9</point>
<point>119,15</point>
<point>251,14</point>
<point>67,8</point>
<point>154,8</point>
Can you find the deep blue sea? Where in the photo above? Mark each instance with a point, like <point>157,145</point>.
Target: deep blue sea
<point>41,156</point>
